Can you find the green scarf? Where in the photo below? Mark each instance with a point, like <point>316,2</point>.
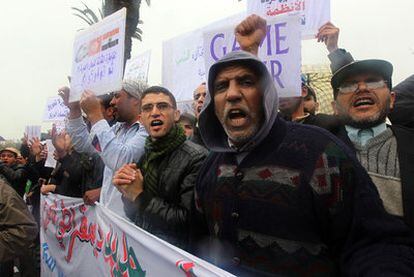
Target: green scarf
<point>155,150</point>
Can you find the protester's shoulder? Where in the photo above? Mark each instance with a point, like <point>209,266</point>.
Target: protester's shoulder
<point>315,137</point>
<point>193,149</point>
<point>6,192</point>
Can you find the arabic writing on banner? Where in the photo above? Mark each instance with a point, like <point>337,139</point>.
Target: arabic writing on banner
<point>81,240</point>
<point>98,54</point>
<point>136,68</point>
<point>55,109</point>
<point>183,67</point>
<point>280,51</point>
<point>313,13</point>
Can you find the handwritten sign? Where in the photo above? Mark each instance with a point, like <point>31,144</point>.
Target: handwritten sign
<point>50,160</point>
<point>98,55</point>
<point>183,67</point>
<point>32,131</point>
<point>313,13</point>
<point>280,51</point>
<point>136,68</point>
<point>55,110</point>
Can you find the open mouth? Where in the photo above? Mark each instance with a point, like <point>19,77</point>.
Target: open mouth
<point>237,117</point>
<point>156,123</point>
<point>363,102</point>
<point>199,108</point>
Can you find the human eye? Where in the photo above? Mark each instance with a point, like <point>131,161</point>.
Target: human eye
<point>220,86</point>
<point>147,108</point>
<point>348,88</point>
<point>163,106</point>
<point>247,81</point>
<point>374,84</point>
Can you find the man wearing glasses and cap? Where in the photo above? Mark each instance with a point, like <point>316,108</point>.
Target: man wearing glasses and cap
<point>363,99</point>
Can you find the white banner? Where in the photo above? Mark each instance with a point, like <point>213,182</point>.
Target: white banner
<point>313,13</point>
<point>98,55</point>
<point>136,68</point>
<point>81,240</point>
<point>183,67</point>
<point>55,110</point>
<point>280,51</point>
<point>50,160</point>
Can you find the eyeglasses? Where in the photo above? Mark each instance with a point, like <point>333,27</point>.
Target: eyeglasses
<point>353,87</point>
<point>162,107</point>
<point>7,155</point>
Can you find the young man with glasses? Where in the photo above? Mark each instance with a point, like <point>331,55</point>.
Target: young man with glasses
<point>158,190</point>
<point>363,99</point>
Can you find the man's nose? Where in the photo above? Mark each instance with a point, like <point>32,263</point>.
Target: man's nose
<point>233,92</point>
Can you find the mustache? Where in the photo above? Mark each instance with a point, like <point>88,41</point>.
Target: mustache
<point>242,108</point>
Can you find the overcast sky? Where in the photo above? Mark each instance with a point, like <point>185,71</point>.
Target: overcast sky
<point>37,38</point>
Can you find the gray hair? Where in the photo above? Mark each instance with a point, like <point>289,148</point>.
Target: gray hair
<point>134,88</point>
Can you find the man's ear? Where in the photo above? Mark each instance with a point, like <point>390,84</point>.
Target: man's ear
<point>393,96</point>
<point>176,115</point>
<point>334,107</point>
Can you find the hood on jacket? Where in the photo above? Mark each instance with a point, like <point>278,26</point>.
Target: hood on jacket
<point>211,130</point>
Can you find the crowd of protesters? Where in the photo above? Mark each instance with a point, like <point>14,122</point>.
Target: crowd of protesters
<point>257,185</point>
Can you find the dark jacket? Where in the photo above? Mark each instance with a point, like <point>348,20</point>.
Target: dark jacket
<point>167,215</point>
<point>16,175</point>
<point>293,201</point>
<point>17,226</point>
<point>76,173</point>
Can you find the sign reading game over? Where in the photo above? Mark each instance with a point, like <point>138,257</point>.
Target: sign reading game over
<point>98,55</point>
<point>280,51</point>
<point>313,13</point>
<point>183,67</point>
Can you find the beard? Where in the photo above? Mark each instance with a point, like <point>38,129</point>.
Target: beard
<point>367,122</point>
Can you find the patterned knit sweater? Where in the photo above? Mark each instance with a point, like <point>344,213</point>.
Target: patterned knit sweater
<point>299,204</point>
<point>380,158</point>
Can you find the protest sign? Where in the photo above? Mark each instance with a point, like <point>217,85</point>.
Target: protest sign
<point>136,68</point>
<point>183,67</point>
<point>32,131</point>
<point>81,240</point>
<point>55,109</point>
<point>313,13</point>
<point>50,160</point>
<point>98,55</point>
<point>280,51</point>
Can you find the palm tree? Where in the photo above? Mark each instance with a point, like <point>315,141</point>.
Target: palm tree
<point>111,6</point>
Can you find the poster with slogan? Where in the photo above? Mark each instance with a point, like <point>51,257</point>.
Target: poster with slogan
<point>32,131</point>
<point>313,13</point>
<point>183,67</point>
<point>82,240</point>
<point>98,55</point>
<point>55,109</point>
<point>280,51</point>
<point>50,160</point>
<point>136,68</point>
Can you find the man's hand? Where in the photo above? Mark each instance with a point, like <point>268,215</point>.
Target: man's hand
<point>129,181</point>
<point>45,189</point>
<point>61,142</point>
<point>329,34</point>
<point>91,196</point>
<point>74,107</point>
<point>35,146</point>
<point>250,33</point>
<point>91,105</point>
